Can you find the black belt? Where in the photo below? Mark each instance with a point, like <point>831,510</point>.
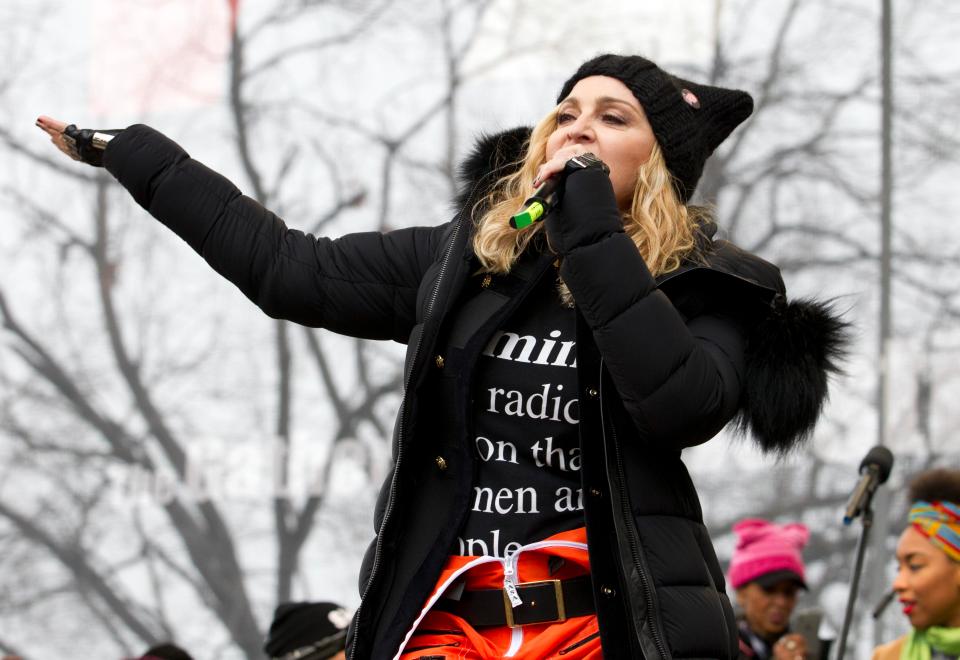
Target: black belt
<point>549,601</point>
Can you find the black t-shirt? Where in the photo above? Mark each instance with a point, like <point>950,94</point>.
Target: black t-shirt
<point>524,431</point>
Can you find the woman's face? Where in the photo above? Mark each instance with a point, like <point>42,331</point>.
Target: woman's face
<point>605,118</point>
<point>768,609</point>
<point>927,582</point>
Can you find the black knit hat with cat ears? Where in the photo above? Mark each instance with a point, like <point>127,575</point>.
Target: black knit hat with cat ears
<point>689,120</point>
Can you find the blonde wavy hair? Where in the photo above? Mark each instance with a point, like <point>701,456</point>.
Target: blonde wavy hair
<point>662,227</point>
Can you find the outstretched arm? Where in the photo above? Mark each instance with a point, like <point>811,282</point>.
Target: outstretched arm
<point>362,284</point>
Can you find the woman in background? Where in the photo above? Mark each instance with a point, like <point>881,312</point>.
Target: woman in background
<point>928,578</point>
<point>767,572</point>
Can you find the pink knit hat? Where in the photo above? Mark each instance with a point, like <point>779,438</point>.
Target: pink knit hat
<point>767,553</point>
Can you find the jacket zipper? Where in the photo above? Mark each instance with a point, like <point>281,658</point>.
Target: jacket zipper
<point>628,516</point>
<point>578,644</point>
<point>400,424</point>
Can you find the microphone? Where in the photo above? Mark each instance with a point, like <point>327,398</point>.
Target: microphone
<point>539,204</point>
<point>874,470</point>
<point>548,194</point>
<point>882,605</point>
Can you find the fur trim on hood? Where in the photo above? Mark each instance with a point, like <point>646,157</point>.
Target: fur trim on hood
<point>493,156</point>
<point>793,347</point>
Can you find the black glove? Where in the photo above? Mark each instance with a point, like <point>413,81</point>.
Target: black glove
<point>588,210</point>
<point>88,145</point>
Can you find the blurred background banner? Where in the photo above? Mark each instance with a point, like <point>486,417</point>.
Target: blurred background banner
<point>173,463</point>
<point>157,56</point>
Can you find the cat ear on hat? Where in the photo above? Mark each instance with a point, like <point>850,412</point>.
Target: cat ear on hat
<point>719,110</point>
<point>751,529</point>
<point>798,532</point>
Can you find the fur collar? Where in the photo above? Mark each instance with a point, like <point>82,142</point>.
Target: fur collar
<point>793,347</point>
<point>494,155</point>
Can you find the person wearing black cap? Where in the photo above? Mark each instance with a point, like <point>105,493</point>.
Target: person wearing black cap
<point>538,503</point>
<point>165,651</point>
<point>307,631</point>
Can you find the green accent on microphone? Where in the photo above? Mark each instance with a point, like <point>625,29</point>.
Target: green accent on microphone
<point>528,216</point>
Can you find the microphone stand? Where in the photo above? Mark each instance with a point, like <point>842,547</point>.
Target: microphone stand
<point>867,520</point>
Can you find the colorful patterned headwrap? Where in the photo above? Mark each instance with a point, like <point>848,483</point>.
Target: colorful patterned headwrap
<point>939,522</point>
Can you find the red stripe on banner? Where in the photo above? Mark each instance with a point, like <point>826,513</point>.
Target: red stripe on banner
<point>234,8</point>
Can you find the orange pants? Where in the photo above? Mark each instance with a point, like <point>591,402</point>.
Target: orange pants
<point>440,635</point>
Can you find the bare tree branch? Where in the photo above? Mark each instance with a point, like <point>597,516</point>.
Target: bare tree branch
<point>52,164</point>
<point>76,561</point>
<point>363,24</point>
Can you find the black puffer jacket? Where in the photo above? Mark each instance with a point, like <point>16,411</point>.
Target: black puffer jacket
<point>661,366</point>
